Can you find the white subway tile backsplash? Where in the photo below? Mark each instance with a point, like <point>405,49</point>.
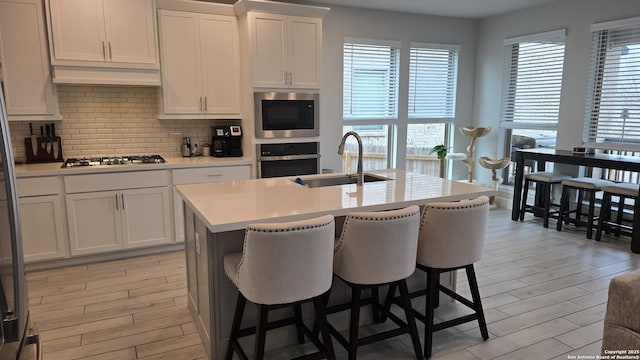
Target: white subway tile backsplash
<point>114,120</point>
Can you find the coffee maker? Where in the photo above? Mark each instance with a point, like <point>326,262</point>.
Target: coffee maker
<point>227,141</point>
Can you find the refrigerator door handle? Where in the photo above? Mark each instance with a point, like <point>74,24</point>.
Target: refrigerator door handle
<point>33,338</point>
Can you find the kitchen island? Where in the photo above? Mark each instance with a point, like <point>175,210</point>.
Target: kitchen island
<point>216,215</point>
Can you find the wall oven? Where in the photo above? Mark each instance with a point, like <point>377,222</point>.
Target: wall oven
<point>286,115</point>
<point>288,159</point>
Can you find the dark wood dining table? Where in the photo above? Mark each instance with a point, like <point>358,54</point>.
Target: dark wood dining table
<point>605,161</point>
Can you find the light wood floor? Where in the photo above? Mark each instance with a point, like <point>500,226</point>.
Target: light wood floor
<point>544,294</point>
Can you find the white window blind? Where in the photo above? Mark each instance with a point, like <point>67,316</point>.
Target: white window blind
<point>370,80</point>
<point>433,72</point>
<point>532,82</point>
<point>612,115</point>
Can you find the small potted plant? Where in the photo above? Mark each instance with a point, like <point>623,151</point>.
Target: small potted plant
<point>441,154</point>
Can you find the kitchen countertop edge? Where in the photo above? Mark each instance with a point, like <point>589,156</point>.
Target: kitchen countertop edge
<point>55,169</point>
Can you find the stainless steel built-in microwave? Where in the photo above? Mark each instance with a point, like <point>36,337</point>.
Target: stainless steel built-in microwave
<point>286,115</point>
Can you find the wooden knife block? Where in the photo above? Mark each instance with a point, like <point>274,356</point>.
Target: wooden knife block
<point>42,155</point>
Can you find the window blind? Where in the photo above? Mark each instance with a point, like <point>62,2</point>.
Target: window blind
<point>612,114</point>
<point>433,72</point>
<point>532,82</point>
<point>370,80</point>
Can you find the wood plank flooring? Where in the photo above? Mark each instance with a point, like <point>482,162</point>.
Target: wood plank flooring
<point>544,295</point>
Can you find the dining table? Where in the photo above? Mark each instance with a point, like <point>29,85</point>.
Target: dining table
<point>541,156</point>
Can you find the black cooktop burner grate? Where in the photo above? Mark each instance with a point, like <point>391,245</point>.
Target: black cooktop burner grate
<point>113,160</point>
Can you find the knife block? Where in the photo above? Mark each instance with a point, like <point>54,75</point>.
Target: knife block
<point>41,155</point>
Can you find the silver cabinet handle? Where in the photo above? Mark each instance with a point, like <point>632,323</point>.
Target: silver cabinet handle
<point>214,175</point>
<point>110,57</point>
<point>122,198</point>
<point>104,51</point>
<point>117,202</point>
<point>206,107</point>
<point>201,106</point>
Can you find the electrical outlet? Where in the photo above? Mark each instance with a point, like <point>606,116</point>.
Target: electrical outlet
<point>197,243</point>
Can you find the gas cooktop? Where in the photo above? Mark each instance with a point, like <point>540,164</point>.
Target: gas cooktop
<point>114,160</point>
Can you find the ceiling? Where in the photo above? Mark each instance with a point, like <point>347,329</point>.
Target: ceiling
<point>473,9</point>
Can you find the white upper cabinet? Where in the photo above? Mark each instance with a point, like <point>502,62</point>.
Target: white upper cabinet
<point>115,34</point>
<point>29,92</point>
<point>286,50</point>
<point>200,65</point>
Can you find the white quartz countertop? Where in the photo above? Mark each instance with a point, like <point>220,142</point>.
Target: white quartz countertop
<point>227,206</point>
<point>55,168</point>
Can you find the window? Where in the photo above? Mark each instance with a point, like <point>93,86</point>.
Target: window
<point>372,88</point>
<point>612,116</point>
<point>532,83</point>
<point>433,73</point>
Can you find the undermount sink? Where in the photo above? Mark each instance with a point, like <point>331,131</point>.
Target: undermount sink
<point>343,179</point>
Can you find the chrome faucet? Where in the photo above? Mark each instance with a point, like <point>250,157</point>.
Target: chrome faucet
<point>360,174</point>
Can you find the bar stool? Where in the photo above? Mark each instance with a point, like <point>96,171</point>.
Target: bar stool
<point>622,191</point>
<point>283,264</point>
<point>377,248</point>
<point>583,185</point>
<point>544,184</point>
<point>451,237</point>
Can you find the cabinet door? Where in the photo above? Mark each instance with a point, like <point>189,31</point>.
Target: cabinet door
<point>42,228</point>
<point>95,223</point>
<point>27,81</point>
<point>220,59</point>
<point>305,52</point>
<point>130,31</point>
<point>180,53</point>
<point>78,30</point>
<point>268,49</point>
<point>146,217</point>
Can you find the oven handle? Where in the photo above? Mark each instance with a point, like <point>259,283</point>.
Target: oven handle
<point>289,157</point>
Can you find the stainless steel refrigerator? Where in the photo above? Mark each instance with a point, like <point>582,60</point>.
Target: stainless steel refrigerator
<point>17,339</point>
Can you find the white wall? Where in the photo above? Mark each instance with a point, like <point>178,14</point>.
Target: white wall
<point>343,22</point>
<point>574,15</point>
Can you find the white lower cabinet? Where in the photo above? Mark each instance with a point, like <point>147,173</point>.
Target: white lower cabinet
<point>42,220</point>
<point>112,220</point>
<point>42,228</point>
<point>115,211</point>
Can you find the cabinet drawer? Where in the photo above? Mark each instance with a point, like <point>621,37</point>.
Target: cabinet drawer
<point>115,181</point>
<point>210,174</point>
<point>37,186</point>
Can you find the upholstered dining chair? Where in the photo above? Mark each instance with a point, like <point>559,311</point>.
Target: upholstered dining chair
<point>283,264</point>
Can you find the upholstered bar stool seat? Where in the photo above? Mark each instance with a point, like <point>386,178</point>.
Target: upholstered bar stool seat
<point>283,264</point>
<point>583,186</point>
<point>377,248</point>
<point>623,191</point>
<point>544,185</point>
